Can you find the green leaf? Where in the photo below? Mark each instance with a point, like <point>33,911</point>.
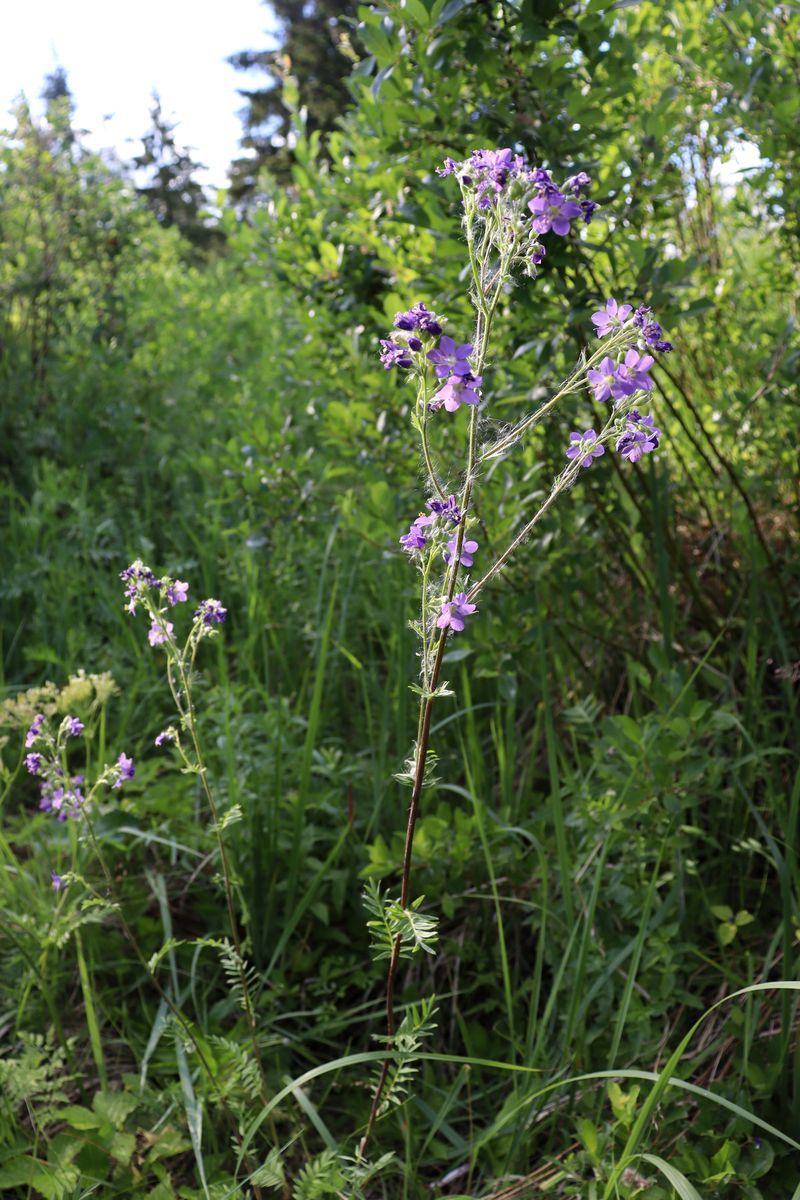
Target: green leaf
<point>587,1132</point>
<point>114,1107</point>
<point>79,1117</point>
<point>676,1178</point>
<point>726,933</point>
<point>19,1172</point>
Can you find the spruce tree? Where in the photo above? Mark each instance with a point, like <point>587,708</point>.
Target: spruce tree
<point>313,47</point>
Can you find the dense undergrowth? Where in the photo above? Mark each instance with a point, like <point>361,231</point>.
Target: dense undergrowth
<point>613,845</point>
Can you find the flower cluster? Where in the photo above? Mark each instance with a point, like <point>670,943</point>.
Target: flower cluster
<point>419,328</point>
<point>639,436</point>
<point>60,792</point>
<point>434,530</point>
<point>651,330</point>
<point>524,203</point>
<point>613,317</point>
<point>210,612</point>
<point>617,379</point>
<point>157,596</point>
<point>434,527</point>
<point>490,174</point>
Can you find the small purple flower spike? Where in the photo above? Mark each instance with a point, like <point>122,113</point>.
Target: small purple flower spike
<point>33,763</point>
<point>576,183</point>
<point>584,447</point>
<point>419,317</point>
<point>640,437</point>
<point>416,539</point>
<point>34,731</point>
<point>158,634</point>
<point>394,355</point>
<point>447,509</point>
<point>553,210</point>
<point>611,317</point>
<point>450,359</point>
<point>126,770</point>
<point>454,612</point>
<point>467,551</point>
<point>211,611</point>
<point>178,592</point>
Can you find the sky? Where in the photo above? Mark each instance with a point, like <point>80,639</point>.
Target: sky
<point>116,54</point>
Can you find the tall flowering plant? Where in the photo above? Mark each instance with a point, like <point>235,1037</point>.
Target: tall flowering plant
<point>509,211</point>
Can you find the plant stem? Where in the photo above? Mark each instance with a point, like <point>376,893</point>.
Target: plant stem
<point>485,314</point>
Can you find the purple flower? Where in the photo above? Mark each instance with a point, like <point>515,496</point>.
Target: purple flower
<point>35,730</point>
<point>126,770</point>
<point>553,210</point>
<point>639,437</point>
<point>64,801</point>
<point>584,447</point>
<point>588,209</point>
<point>415,539</point>
<point>459,389</point>
<point>651,330</point>
<point>491,169</point>
<point>166,736</point>
<point>608,382</point>
<point>611,317</point>
<point>454,612</point>
<point>137,572</point>
<point>211,612</point>
<point>447,509</point>
<point>634,372</point>
<point>55,881</point>
<point>138,578</point>
<point>543,179</point>
<point>450,359</point>
<point>537,253</point>
<point>158,634</point>
<point>394,355</point>
<point>178,592</point>
<point>576,183</point>
<point>467,551</point>
<point>486,171</point>
<point>418,317</point>
<point>75,727</point>
<point>33,763</point>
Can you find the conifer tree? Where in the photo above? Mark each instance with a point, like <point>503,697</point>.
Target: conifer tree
<point>313,46</point>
